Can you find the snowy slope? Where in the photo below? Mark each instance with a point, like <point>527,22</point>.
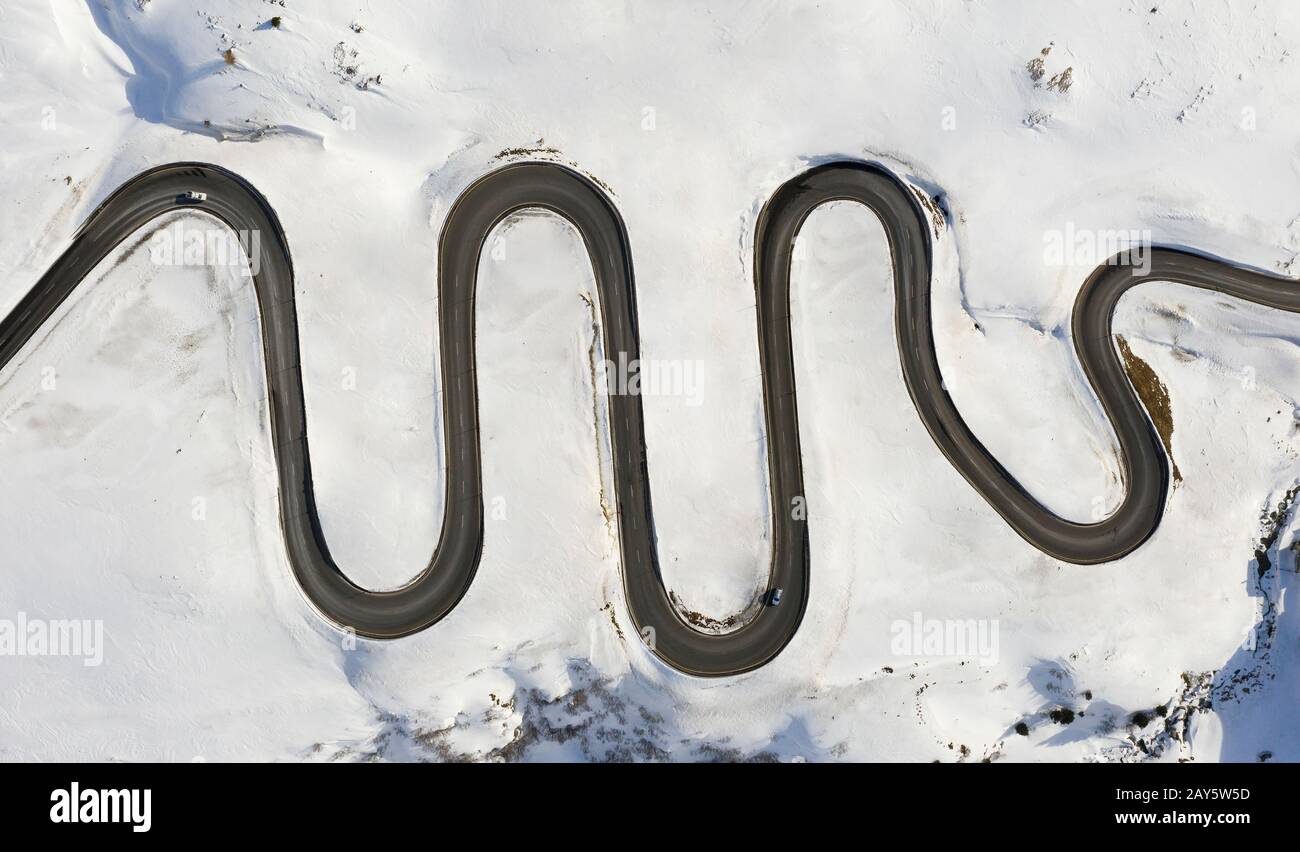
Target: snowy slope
<point>362,124</point>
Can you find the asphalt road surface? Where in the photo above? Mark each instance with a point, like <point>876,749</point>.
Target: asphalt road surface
<point>441,585</point>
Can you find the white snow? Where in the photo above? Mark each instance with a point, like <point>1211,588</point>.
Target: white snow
<point>1180,122</point>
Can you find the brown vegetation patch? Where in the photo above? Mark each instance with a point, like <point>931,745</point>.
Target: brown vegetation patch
<point>1154,396</point>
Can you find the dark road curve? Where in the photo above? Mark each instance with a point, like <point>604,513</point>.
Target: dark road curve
<point>441,585</point>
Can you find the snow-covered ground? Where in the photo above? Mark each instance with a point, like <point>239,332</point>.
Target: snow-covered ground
<point>138,477</point>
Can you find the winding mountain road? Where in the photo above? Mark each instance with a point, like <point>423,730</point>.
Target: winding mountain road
<point>446,579</point>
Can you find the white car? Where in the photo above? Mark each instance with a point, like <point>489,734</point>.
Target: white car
<point>194,197</point>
